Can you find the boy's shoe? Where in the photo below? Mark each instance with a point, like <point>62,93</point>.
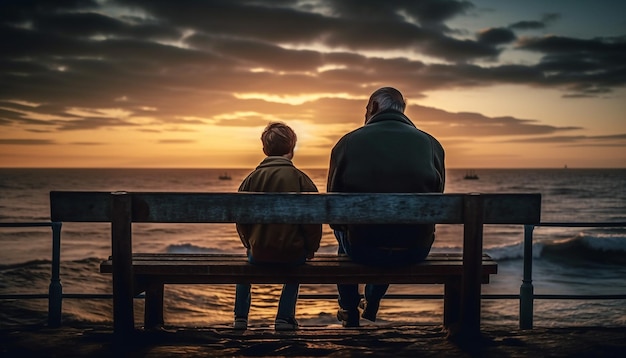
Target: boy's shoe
<point>369,310</point>
<point>286,324</point>
<point>241,323</point>
<point>348,318</point>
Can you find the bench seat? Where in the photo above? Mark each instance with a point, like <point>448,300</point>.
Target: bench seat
<point>234,268</point>
<point>153,270</point>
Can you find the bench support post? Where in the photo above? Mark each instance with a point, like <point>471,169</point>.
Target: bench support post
<point>153,311</point>
<point>55,290</point>
<point>451,302</point>
<point>121,244</point>
<point>472,264</point>
<point>527,290</point>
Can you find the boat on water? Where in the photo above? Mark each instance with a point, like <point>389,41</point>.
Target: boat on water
<point>225,176</point>
<point>471,175</point>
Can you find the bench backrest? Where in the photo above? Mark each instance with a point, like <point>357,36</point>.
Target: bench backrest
<point>331,208</point>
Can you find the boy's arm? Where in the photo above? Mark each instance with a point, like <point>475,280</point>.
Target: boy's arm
<point>312,232</point>
<point>244,234</point>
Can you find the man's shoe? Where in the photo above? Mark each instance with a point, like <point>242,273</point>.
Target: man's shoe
<point>370,310</point>
<point>241,323</point>
<point>289,324</point>
<point>348,318</point>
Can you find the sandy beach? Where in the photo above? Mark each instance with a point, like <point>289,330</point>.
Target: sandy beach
<point>397,341</point>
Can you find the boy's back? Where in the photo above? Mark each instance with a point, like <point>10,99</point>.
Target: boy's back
<point>279,243</point>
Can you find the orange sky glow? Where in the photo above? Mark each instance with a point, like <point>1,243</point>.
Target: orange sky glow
<point>150,84</point>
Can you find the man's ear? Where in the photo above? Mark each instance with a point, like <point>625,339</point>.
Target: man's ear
<point>374,108</point>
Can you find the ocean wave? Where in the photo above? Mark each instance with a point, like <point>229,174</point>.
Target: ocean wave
<point>192,249</point>
<point>513,251</point>
<point>25,264</point>
<point>46,263</point>
<point>603,248</point>
<point>593,248</point>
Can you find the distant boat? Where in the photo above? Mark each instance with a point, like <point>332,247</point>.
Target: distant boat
<point>225,176</point>
<point>471,175</point>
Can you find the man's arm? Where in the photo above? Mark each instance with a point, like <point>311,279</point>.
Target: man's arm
<point>335,170</point>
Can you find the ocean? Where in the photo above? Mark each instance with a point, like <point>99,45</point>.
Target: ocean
<point>566,260</point>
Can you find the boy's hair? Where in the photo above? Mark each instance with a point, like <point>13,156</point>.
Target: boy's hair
<point>278,139</point>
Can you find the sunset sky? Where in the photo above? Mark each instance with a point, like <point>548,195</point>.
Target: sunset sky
<point>159,83</point>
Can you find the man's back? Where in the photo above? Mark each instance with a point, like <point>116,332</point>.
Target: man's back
<point>388,155</point>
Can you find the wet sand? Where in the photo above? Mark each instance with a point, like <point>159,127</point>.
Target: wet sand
<point>393,341</point>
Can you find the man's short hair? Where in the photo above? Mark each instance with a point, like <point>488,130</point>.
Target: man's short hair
<point>389,98</point>
<point>278,139</point>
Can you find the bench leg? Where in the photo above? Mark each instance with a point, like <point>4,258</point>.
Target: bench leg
<point>452,302</point>
<point>153,310</point>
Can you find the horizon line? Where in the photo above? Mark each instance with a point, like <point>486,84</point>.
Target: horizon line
<point>303,167</point>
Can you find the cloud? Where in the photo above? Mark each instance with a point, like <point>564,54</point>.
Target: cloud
<point>87,143</point>
<point>586,67</point>
<point>447,124</point>
<point>546,20</point>
<point>93,123</point>
<point>176,141</point>
<point>90,24</point>
<point>26,141</point>
<point>180,63</point>
<point>613,140</point>
<point>496,36</point>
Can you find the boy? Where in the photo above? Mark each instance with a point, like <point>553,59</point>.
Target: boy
<point>286,244</point>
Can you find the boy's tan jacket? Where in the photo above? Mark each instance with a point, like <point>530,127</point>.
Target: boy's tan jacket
<point>279,243</point>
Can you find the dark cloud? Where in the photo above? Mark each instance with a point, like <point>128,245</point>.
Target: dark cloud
<point>585,67</point>
<point>475,124</point>
<point>20,11</point>
<point>351,24</point>
<point>93,123</point>
<point>528,25</point>
<point>181,62</point>
<point>253,53</point>
<point>545,21</point>
<point>425,11</point>
<point>26,141</point>
<point>88,24</point>
<point>567,45</point>
<point>496,36</point>
<point>614,140</point>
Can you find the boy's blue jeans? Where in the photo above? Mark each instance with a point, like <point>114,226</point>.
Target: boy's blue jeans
<point>349,296</point>
<point>286,304</point>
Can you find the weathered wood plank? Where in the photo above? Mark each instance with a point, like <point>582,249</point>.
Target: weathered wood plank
<point>334,208</point>
<point>278,279</point>
<point>212,267</point>
<point>76,206</point>
<point>203,268</point>
<point>327,208</point>
<point>448,256</point>
<point>512,208</point>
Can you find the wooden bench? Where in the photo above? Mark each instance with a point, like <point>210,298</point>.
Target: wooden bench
<point>461,273</point>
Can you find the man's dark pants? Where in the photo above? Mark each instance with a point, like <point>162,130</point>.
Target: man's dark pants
<point>349,296</point>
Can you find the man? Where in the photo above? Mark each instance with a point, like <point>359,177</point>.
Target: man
<point>387,155</point>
